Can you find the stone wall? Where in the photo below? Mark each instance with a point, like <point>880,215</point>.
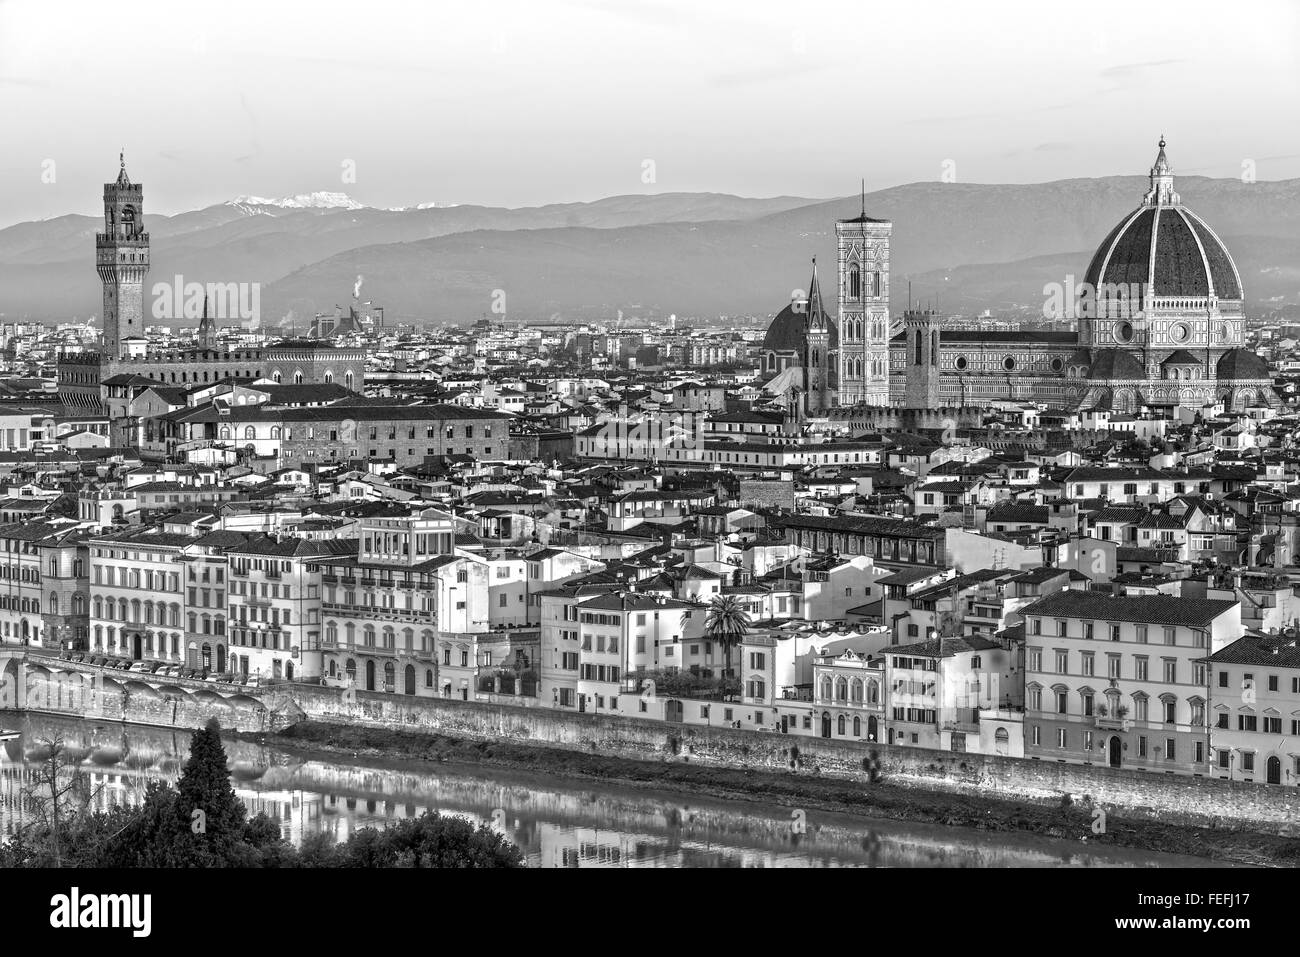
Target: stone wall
<point>1200,801</point>
<point>188,704</point>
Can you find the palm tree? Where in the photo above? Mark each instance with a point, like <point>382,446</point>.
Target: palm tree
<point>727,623</point>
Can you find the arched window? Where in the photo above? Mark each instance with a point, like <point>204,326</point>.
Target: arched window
<point>855,691</point>
<point>275,431</point>
<point>53,604</point>
<point>428,677</point>
<point>225,433</point>
<point>841,689</point>
<point>855,282</point>
<point>250,433</point>
<point>839,725</point>
<point>351,669</point>
<point>347,380</point>
<point>1001,741</point>
<point>297,377</point>
<point>857,726</point>
<point>873,692</point>
<point>826,688</point>
<point>275,376</point>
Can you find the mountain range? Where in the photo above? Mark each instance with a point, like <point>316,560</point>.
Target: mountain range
<point>967,247</point>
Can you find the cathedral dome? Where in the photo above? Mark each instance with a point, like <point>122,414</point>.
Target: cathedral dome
<point>1116,364</point>
<point>788,330</point>
<point>1241,364</point>
<point>1166,245</point>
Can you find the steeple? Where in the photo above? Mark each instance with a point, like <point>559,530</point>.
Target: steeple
<point>122,178</point>
<point>207,328</point>
<point>817,318</point>
<point>1161,192</point>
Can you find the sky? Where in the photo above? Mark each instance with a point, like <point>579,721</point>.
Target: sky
<point>520,102</point>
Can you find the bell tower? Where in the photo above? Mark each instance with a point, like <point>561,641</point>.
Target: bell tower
<point>817,361</point>
<point>122,261</point>
<point>863,247</point>
<point>922,377</point>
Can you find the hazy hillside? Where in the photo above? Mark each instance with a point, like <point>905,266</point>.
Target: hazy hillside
<point>974,245</point>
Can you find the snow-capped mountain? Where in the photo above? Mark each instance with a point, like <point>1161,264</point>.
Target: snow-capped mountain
<point>317,200</point>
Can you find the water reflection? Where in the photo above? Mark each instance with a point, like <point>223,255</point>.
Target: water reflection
<point>557,823</point>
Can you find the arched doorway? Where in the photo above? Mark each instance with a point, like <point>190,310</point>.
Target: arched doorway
<point>673,710</point>
<point>136,647</point>
<point>370,676</point>
<point>1116,747</point>
<point>221,658</point>
<point>288,670</point>
<point>410,679</point>
<point>205,656</point>
<point>826,724</point>
<point>1274,770</point>
<point>871,728</point>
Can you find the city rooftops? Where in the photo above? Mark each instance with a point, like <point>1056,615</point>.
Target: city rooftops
<point>1150,609</point>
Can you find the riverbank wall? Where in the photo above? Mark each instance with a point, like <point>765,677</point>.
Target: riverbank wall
<point>56,687</point>
<point>1170,798</point>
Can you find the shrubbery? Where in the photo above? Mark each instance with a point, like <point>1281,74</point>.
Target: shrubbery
<point>202,823</point>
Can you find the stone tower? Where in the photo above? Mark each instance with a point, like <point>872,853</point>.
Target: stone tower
<point>207,335</point>
<point>863,248</point>
<point>817,361</point>
<point>922,357</point>
<point>122,261</point>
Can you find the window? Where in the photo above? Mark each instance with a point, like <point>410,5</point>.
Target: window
<point>1248,760</point>
<point>1062,662</point>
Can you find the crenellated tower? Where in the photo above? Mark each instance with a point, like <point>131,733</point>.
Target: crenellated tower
<point>122,261</point>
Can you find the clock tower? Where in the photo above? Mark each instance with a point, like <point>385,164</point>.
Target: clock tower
<point>122,261</point>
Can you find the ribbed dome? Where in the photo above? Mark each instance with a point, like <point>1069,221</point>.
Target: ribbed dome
<point>1167,245</point>
<point>789,330</point>
<point>1116,364</point>
<point>1241,364</point>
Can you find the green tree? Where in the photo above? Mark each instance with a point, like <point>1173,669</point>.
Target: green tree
<point>727,623</point>
<point>206,806</point>
<point>431,840</point>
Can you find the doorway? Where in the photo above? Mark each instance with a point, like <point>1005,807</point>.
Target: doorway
<point>1274,767</point>
<point>673,710</point>
<point>1116,747</point>
<point>370,676</point>
<point>136,648</point>
<point>826,724</point>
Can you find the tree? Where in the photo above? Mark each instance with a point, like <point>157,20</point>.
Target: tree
<point>59,793</point>
<point>727,623</point>
<point>206,805</point>
<point>431,840</point>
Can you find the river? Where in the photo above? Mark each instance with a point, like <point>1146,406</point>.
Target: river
<point>558,822</point>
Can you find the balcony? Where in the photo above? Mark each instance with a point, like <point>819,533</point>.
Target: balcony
<point>1110,722</point>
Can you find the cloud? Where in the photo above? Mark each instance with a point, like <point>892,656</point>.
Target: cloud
<point>1133,69</point>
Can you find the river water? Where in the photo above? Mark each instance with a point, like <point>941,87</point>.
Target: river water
<point>558,822</point>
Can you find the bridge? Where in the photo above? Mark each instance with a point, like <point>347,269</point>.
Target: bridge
<point>34,679</point>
